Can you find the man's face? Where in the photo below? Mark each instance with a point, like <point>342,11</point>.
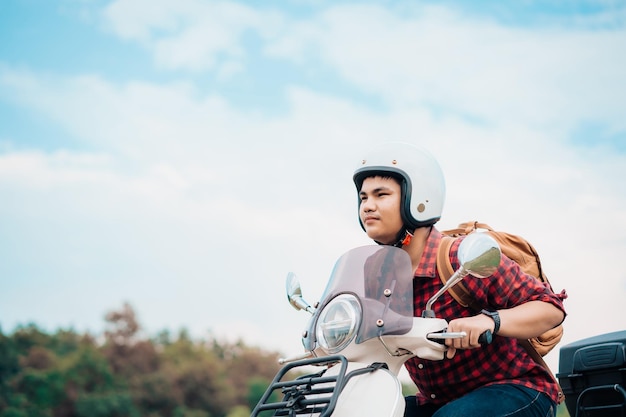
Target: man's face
<point>380,209</point>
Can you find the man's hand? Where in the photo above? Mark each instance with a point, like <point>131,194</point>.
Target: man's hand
<point>473,326</point>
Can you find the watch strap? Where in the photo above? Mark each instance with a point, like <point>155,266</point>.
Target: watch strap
<point>495,317</point>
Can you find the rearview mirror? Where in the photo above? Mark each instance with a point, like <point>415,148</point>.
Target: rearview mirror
<point>479,255</point>
<point>294,294</point>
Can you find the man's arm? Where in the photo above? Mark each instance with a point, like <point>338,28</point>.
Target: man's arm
<point>523,322</point>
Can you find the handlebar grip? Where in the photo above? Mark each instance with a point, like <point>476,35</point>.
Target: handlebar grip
<point>440,337</point>
<point>486,338</point>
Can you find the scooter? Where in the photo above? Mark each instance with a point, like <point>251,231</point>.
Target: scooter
<point>592,373</point>
<point>363,331</point>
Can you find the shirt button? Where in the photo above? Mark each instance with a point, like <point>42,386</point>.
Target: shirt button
<point>433,396</point>
<point>420,366</point>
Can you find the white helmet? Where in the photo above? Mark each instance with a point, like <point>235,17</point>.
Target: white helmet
<point>421,180</point>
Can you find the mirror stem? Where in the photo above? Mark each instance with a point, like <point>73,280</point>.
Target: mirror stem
<point>303,305</point>
<point>454,279</point>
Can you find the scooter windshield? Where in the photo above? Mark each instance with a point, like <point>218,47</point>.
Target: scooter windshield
<point>381,278</point>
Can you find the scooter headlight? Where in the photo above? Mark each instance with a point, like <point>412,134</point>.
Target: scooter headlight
<point>338,323</point>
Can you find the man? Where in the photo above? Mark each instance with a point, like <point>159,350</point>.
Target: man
<point>401,194</point>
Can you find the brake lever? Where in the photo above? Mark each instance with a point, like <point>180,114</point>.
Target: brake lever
<point>440,337</point>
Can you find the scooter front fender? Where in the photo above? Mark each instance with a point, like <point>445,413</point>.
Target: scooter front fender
<point>376,393</point>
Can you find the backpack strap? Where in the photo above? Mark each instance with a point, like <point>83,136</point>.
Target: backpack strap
<point>533,353</point>
<point>445,269</point>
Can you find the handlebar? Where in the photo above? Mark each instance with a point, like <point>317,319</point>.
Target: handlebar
<point>440,337</point>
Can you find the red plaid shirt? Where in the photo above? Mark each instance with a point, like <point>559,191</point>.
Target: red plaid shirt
<point>504,360</point>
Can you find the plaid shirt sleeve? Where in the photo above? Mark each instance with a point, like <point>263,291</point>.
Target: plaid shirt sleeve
<point>504,360</point>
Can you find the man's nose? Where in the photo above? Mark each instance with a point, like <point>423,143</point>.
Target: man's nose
<point>368,205</point>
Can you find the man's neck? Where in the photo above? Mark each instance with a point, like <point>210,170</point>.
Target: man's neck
<point>415,249</point>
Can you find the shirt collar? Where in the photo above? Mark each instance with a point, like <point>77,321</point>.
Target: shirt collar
<point>427,267</point>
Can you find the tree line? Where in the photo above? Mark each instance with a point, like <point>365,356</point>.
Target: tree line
<point>120,374</point>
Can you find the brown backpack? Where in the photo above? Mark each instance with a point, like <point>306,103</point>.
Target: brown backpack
<point>517,249</point>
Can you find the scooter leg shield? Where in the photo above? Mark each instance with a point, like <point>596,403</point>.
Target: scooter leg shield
<point>376,393</point>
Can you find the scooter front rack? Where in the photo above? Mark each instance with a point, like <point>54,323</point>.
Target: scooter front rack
<point>308,394</point>
<point>314,394</point>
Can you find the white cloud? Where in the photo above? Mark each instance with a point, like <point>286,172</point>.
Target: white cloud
<point>437,58</point>
<point>191,35</point>
<point>419,55</point>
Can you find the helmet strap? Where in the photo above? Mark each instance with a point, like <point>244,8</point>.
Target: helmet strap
<point>407,238</point>
<point>404,238</point>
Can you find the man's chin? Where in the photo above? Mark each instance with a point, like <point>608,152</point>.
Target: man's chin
<point>383,240</point>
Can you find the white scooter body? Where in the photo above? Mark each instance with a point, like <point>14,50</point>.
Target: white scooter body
<point>377,393</point>
<point>364,331</point>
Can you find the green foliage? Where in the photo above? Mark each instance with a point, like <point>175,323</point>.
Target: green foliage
<point>13,412</point>
<point>239,411</point>
<point>87,370</point>
<point>67,374</point>
<point>9,364</point>
<point>182,411</point>
<point>256,388</point>
<point>42,389</point>
<point>106,404</point>
<point>25,337</point>
<point>561,411</point>
<point>9,367</point>
<point>408,388</point>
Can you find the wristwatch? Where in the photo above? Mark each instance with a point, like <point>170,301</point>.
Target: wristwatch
<point>495,317</point>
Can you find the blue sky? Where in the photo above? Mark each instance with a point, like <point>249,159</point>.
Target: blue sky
<point>184,156</point>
